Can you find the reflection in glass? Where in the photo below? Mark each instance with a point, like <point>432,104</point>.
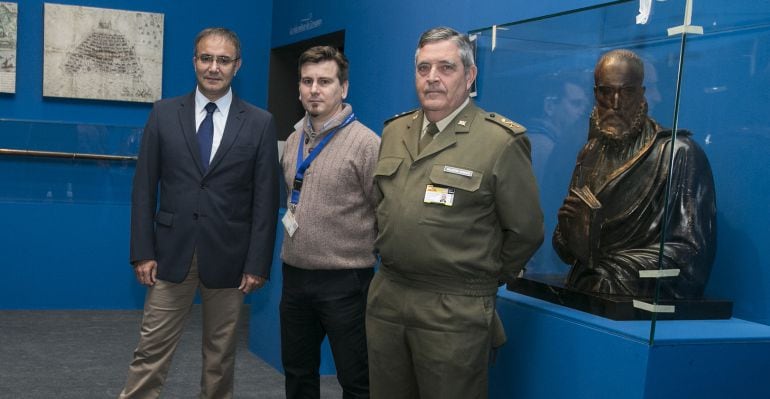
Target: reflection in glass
<point>67,180</point>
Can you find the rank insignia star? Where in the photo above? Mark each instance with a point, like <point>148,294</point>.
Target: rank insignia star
<point>462,123</point>
<point>508,123</point>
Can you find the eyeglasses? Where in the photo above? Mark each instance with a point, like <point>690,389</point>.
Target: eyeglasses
<point>222,60</point>
<point>606,94</point>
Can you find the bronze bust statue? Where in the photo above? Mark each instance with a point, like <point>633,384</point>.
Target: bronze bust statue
<point>611,224</point>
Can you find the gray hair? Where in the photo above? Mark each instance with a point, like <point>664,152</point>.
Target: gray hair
<point>442,33</point>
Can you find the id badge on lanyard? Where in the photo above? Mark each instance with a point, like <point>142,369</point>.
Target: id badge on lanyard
<point>289,221</point>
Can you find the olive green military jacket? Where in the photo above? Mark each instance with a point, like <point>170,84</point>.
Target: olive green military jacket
<point>489,228</point>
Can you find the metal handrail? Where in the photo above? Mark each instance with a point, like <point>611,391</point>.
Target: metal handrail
<point>68,155</point>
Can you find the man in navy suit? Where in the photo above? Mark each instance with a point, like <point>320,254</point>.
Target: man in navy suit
<point>203,216</point>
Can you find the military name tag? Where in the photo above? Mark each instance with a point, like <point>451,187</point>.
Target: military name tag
<point>439,195</point>
<point>458,171</point>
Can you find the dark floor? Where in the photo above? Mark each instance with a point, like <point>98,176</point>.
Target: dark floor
<point>85,354</point>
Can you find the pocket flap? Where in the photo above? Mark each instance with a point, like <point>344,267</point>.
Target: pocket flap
<point>387,166</point>
<point>452,176</point>
<point>164,218</point>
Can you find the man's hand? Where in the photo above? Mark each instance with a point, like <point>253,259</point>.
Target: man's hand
<point>251,282</point>
<point>570,206</point>
<point>145,271</point>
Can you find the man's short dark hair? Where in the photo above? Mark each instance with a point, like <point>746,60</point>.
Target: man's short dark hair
<point>318,54</point>
<point>225,33</point>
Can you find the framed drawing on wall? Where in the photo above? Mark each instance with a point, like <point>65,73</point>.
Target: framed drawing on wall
<point>103,54</point>
<point>8,25</point>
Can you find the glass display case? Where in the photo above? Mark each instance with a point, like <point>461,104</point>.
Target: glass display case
<point>67,162</point>
<point>707,82</point>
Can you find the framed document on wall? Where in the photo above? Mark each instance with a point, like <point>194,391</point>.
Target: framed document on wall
<point>8,25</point>
<point>103,54</point>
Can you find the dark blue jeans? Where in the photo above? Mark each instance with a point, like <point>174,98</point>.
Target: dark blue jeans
<point>318,303</point>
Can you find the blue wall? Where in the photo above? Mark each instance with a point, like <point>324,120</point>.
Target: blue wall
<point>64,235</point>
<point>380,38</point>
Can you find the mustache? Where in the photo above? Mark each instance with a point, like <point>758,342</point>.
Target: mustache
<point>630,116</point>
<point>610,114</point>
<point>433,90</point>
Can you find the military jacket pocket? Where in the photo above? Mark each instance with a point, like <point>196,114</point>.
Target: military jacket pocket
<point>460,178</point>
<point>387,167</point>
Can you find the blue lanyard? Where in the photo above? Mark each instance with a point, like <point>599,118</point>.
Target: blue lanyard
<point>302,165</point>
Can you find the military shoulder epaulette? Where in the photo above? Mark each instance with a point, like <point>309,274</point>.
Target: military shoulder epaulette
<point>401,115</point>
<point>506,123</point>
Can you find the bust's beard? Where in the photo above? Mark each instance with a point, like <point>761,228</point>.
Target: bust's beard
<point>625,137</point>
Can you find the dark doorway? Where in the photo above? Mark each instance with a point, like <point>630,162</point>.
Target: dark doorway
<point>283,93</point>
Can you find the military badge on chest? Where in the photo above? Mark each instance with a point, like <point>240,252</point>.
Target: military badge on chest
<point>439,195</point>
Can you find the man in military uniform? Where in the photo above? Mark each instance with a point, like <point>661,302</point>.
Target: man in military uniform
<point>458,214</point>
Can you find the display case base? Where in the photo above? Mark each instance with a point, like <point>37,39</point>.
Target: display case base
<point>551,288</point>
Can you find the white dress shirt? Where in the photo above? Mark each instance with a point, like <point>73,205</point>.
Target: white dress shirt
<point>219,116</point>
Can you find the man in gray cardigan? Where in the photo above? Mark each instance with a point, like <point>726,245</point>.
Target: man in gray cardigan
<point>328,248</point>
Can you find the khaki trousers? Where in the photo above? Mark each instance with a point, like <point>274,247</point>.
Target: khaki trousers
<point>166,309</point>
<point>425,345</point>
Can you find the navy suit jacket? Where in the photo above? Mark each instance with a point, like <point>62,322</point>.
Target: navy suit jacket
<point>227,214</point>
